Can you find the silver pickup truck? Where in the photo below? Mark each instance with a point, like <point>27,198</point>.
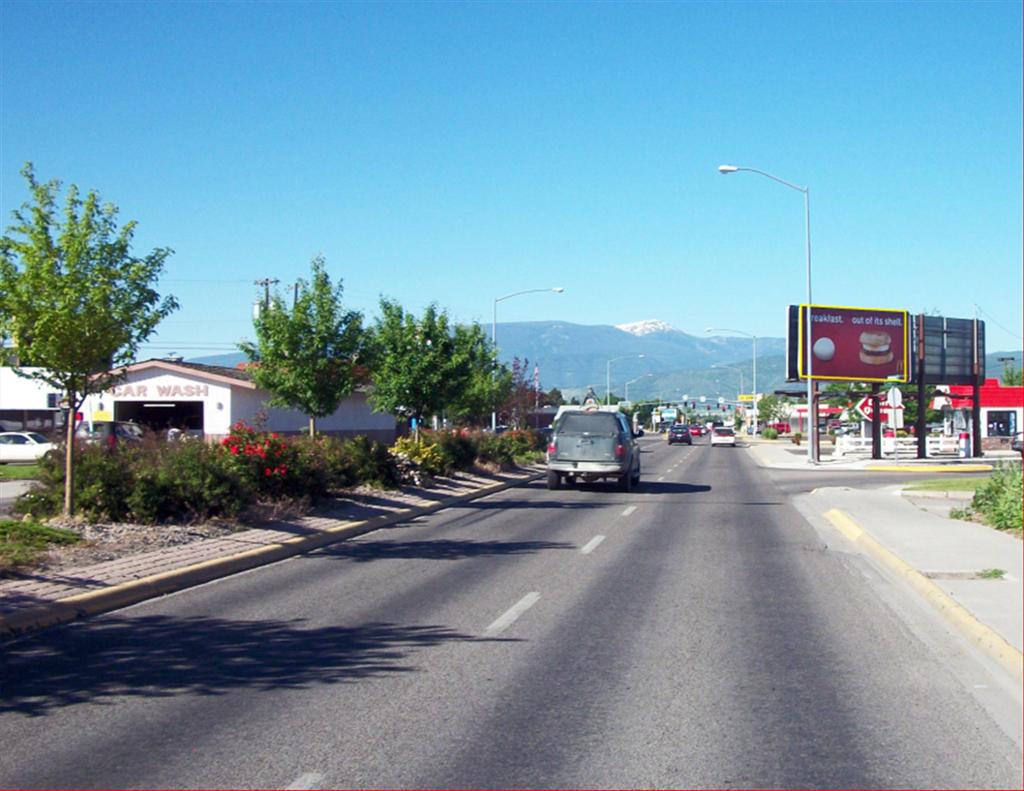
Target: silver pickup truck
<point>587,445</point>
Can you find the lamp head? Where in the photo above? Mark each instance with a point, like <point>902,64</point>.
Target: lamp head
<point>723,169</point>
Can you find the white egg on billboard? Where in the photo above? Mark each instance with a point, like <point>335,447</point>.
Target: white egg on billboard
<point>824,349</point>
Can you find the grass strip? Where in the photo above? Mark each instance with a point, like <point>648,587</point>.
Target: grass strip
<point>22,543</point>
<point>19,472</point>
<point>946,485</point>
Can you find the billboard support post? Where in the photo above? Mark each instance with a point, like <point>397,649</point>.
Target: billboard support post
<point>876,421</point>
<point>922,394</point>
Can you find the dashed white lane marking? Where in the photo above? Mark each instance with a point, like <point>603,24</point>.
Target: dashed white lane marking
<point>592,545</point>
<point>306,781</point>
<point>512,614</point>
<point>661,479</point>
<point>629,510</point>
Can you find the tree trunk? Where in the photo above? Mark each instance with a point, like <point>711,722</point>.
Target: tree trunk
<point>69,467</point>
<point>312,426</point>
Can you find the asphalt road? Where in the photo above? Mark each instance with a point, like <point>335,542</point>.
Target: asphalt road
<point>697,632</point>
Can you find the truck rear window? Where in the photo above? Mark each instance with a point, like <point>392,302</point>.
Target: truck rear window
<point>588,423</point>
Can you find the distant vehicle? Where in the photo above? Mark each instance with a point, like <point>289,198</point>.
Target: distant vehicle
<point>679,433</point>
<point>782,428</point>
<point>23,446</point>
<point>696,431</point>
<point>591,444</point>
<point>109,433</point>
<point>723,435</point>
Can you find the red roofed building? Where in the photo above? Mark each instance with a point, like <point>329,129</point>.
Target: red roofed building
<point>1002,410</point>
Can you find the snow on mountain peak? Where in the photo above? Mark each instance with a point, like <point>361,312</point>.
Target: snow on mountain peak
<point>646,327</point>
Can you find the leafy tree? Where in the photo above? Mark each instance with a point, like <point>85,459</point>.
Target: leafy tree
<point>523,397</point>
<point>308,357</point>
<point>486,382</point>
<point>1012,376</point>
<point>771,408</point>
<point>553,397</point>
<point>423,366</point>
<point>74,301</point>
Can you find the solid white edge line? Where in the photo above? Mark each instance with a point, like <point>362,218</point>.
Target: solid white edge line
<point>592,545</point>
<point>306,781</point>
<point>629,510</point>
<point>512,614</point>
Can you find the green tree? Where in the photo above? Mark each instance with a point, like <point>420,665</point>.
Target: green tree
<point>486,382</point>
<point>308,357</point>
<point>771,408</point>
<point>74,301</point>
<point>423,366</point>
<point>553,397</point>
<point>1012,376</point>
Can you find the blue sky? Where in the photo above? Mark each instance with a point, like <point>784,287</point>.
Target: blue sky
<point>457,152</point>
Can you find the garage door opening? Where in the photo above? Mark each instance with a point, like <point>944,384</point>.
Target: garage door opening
<point>162,415</point>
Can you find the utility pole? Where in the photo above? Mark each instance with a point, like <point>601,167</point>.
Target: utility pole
<point>267,282</point>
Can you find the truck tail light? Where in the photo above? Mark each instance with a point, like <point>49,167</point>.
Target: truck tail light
<point>620,451</point>
<point>552,448</point>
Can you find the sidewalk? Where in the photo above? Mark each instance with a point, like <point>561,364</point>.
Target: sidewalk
<point>783,454</point>
<point>40,598</point>
<point>912,535</point>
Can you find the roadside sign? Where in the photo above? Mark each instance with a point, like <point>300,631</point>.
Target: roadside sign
<point>864,407</point>
<point>747,398</point>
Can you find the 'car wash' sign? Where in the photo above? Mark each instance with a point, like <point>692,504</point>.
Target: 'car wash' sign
<point>160,391</point>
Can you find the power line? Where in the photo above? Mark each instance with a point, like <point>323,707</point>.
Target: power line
<point>984,312</point>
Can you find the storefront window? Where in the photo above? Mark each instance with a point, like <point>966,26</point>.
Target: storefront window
<point>1002,424</point>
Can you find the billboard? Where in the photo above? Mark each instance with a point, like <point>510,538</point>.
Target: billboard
<point>953,349</point>
<point>849,344</point>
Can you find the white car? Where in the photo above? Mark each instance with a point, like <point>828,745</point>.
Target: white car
<point>723,435</point>
<point>24,446</point>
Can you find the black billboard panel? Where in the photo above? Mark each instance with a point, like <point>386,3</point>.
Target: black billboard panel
<point>954,349</point>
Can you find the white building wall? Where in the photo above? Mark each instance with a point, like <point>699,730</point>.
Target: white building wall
<point>354,416</point>
<point>16,392</point>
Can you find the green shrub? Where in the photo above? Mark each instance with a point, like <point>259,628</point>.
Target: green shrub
<point>458,447</point>
<point>361,460</point>
<point>770,433</point>
<point>998,499</point>
<point>493,449</point>
<point>423,454</point>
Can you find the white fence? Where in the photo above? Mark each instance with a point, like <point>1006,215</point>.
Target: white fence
<point>896,446</point>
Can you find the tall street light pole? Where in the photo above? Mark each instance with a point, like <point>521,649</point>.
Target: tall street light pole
<point>634,381</point>
<point>811,429</point>
<point>608,375</point>
<point>754,337</point>
<point>494,331</point>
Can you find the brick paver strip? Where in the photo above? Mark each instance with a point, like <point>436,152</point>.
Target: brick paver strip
<point>23,600</point>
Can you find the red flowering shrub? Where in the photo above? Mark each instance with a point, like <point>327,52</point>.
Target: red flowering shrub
<point>268,462</point>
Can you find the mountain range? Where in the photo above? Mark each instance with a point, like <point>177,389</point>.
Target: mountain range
<point>658,360</point>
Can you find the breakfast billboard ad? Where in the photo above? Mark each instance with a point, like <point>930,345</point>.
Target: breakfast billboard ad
<point>855,344</point>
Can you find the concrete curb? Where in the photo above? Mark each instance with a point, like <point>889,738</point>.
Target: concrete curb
<point>981,635</point>
<point>115,597</point>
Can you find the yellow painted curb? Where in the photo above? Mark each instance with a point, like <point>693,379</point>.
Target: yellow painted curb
<point>981,635</point>
<point>116,597</point>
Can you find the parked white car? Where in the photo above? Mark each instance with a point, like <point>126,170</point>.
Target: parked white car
<point>723,435</point>
<point>23,446</point>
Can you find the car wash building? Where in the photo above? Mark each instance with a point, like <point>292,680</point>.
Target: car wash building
<point>206,400</point>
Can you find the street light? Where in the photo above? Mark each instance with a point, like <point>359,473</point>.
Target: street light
<point>608,375</point>
<point>494,331</point>
<point>632,381</point>
<point>726,170</point>
<point>749,335</point>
